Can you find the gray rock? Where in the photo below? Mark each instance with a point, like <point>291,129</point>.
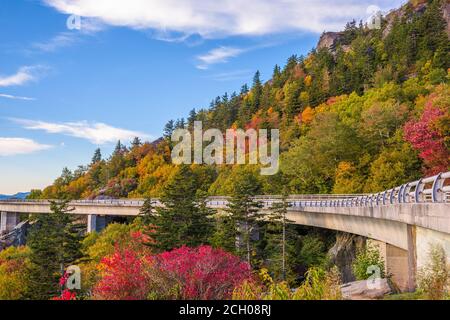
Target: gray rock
<point>366,290</point>
<point>17,237</point>
<point>329,40</point>
<point>343,253</point>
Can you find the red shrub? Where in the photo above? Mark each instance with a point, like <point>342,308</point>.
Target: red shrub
<point>184,273</point>
<point>66,293</point>
<point>123,276</point>
<point>204,272</point>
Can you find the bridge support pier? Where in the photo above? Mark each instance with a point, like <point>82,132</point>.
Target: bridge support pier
<point>412,257</point>
<point>96,223</point>
<point>400,264</point>
<point>396,263</point>
<point>8,221</point>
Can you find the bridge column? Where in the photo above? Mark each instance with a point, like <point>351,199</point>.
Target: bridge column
<point>96,223</point>
<point>92,223</point>
<point>8,221</point>
<point>412,257</point>
<point>396,263</point>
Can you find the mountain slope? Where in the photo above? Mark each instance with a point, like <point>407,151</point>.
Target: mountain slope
<point>365,111</point>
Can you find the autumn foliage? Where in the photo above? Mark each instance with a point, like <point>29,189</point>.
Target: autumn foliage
<point>427,135</point>
<point>66,294</point>
<point>204,273</point>
<point>185,273</point>
<point>123,276</point>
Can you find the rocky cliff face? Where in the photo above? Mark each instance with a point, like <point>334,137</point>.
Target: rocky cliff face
<point>329,40</point>
<point>418,6</point>
<point>343,253</point>
<point>447,17</point>
<point>16,237</point>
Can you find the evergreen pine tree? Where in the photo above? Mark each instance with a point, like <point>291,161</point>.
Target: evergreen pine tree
<point>192,117</point>
<point>180,124</point>
<point>120,149</point>
<point>276,77</point>
<point>97,156</point>
<point>136,142</point>
<point>257,90</point>
<point>244,212</point>
<point>183,218</point>
<point>278,238</point>
<point>244,89</point>
<point>55,243</point>
<point>225,233</point>
<point>168,130</point>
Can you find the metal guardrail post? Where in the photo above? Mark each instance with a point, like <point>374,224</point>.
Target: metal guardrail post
<point>400,193</point>
<point>391,196</point>
<point>436,192</point>
<point>405,194</point>
<point>418,192</point>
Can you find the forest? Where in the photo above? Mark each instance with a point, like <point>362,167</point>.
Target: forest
<point>366,114</point>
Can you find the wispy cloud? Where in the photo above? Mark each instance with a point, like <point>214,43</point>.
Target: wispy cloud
<point>16,146</point>
<point>212,18</point>
<point>96,133</point>
<point>23,76</point>
<point>218,55</point>
<point>232,75</point>
<point>69,38</point>
<point>61,40</point>
<point>9,96</point>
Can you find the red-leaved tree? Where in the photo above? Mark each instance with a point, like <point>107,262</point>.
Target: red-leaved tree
<point>426,136</point>
<point>204,273</point>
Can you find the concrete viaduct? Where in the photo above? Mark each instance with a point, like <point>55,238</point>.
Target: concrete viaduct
<point>403,221</point>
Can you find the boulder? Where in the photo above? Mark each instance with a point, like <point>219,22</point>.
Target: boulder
<point>366,289</point>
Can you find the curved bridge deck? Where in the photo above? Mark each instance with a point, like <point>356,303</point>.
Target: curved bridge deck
<point>409,217</point>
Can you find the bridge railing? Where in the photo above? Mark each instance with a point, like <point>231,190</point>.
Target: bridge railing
<point>124,202</point>
<point>435,189</point>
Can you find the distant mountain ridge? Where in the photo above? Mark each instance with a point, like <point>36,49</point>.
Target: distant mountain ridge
<point>19,195</point>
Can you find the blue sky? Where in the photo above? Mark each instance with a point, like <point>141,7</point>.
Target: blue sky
<point>131,66</point>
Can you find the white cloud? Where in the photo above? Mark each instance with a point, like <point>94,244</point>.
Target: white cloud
<point>96,133</point>
<point>69,38</point>
<point>9,96</point>
<point>212,18</point>
<point>22,76</point>
<point>61,40</point>
<point>218,55</point>
<point>16,146</point>
<point>232,75</point>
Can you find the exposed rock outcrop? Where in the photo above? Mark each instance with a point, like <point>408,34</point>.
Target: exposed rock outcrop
<point>447,17</point>
<point>418,7</point>
<point>329,40</point>
<point>366,289</point>
<point>17,237</point>
<point>343,253</point>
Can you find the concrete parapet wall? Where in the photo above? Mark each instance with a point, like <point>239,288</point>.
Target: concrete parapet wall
<point>433,216</point>
<point>425,238</point>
